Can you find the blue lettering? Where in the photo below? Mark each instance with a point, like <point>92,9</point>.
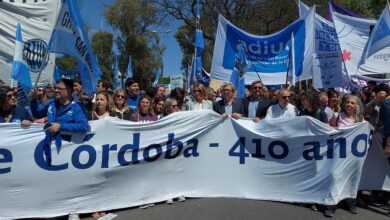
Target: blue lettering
<point>134,151</point>
<point>7,158</point>
<point>258,153</point>
<point>240,144</point>
<point>91,157</point>
<point>271,149</point>
<point>170,144</point>
<point>42,162</point>
<point>193,150</point>
<point>106,154</point>
<point>354,146</point>
<point>312,153</point>
<point>147,152</point>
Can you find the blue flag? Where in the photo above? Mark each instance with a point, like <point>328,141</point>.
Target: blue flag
<point>158,75</point>
<point>129,69</point>
<point>196,66</point>
<point>380,35</point>
<point>240,68</point>
<point>197,9</point>
<point>69,37</point>
<point>20,70</point>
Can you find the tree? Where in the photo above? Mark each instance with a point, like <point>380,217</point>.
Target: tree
<point>102,44</point>
<point>131,20</point>
<point>257,17</point>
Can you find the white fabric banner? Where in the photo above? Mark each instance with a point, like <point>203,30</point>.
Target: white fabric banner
<point>268,56</point>
<point>353,35</point>
<point>37,20</point>
<point>195,154</point>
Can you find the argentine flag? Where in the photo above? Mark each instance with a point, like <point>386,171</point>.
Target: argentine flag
<point>20,70</point>
<point>380,35</point>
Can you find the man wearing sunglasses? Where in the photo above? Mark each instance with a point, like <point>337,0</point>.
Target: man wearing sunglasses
<point>256,105</point>
<point>282,109</point>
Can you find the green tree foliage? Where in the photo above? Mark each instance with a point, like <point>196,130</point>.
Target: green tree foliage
<point>102,45</point>
<point>67,63</point>
<point>132,20</point>
<point>257,17</point>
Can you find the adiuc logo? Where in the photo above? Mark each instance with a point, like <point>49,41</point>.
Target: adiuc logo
<point>35,54</point>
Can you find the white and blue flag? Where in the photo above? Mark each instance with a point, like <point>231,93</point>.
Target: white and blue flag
<point>129,69</point>
<point>70,37</point>
<point>157,78</point>
<point>239,70</point>
<point>20,70</point>
<point>116,84</point>
<point>268,55</point>
<point>380,35</point>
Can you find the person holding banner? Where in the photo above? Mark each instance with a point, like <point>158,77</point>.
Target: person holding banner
<point>133,96</point>
<point>144,111</point>
<point>102,107</point>
<point>282,109</point>
<point>229,105</point>
<point>63,113</point>
<point>170,106</point>
<point>120,107</point>
<point>310,105</point>
<point>200,94</point>
<point>256,105</point>
<point>158,104</point>
<point>382,97</point>
<point>9,111</point>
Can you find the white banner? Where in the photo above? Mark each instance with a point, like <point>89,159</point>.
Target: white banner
<point>37,19</point>
<point>195,154</point>
<point>353,35</point>
<point>268,56</point>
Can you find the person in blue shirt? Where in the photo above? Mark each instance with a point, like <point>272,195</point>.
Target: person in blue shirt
<point>133,96</point>
<point>9,111</point>
<point>63,113</point>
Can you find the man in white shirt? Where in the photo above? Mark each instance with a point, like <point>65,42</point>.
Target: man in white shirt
<point>283,109</point>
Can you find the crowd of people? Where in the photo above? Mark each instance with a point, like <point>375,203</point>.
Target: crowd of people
<point>65,107</point>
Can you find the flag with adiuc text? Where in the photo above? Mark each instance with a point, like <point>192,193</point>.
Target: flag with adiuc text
<point>70,37</point>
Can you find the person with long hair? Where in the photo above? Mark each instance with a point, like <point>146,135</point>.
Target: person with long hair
<point>120,107</point>
<point>178,94</point>
<point>144,111</point>
<point>102,107</point>
<point>351,112</point>
<point>334,100</point>
<point>310,106</point>
<point>200,94</point>
<point>158,105</point>
<point>9,111</point>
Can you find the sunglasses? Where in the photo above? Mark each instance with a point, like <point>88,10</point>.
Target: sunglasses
<point>257,87</point>
<point>286,97</point>
<point>195,91</point>
<point>120,96</point>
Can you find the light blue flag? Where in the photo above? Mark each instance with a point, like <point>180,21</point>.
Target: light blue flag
<point>380,35</point>
<point>69,37</point>
<point>197,9</point>
<point>240,68</point>
<point>20,70</point>
<point>196,69</point>
<point>115,80</point>
<point>158,75</point>
<point>129,69</point>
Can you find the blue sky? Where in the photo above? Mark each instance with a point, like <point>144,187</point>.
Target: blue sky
<point>92,10</point>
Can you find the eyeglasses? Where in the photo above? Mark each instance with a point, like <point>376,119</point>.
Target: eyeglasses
<point>120,96</point>
<point>60,89</point>
<point>257,87</point>
<point>286,96</point>
<point>40,90</point>
<point>226,90</point>
<point>10,95</point>
<point>195,91</point>
<point>173,106</point>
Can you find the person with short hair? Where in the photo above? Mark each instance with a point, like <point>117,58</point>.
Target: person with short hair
<point>324,101</point>
<point>63,113</point>
<point>229,105</point>
<point>211,94</point>
<point>282,109</point>
<point>200,95</point>
<point>170,107</point>
<point>256,105</point>
<point>382,97</point>
<point>133,94</point>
